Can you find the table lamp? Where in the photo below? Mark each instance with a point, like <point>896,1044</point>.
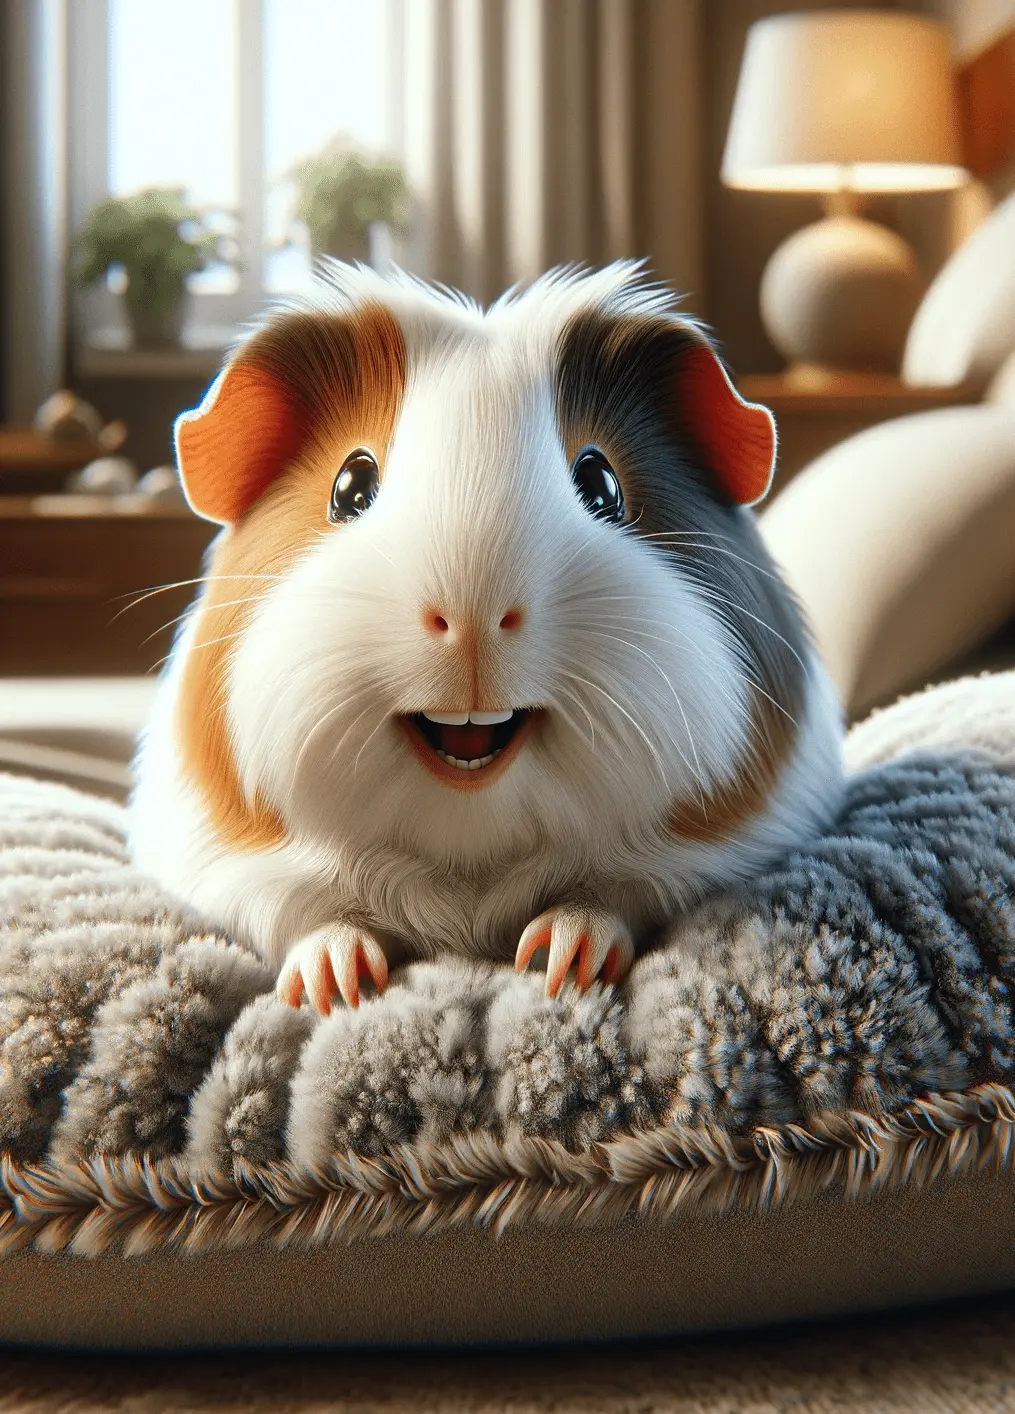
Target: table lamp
<point>843,103</point>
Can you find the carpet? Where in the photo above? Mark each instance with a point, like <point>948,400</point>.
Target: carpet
<point>952,1359</point>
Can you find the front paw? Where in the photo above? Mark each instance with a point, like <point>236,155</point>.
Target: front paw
<point>600,941</point>
<point>329,962</point>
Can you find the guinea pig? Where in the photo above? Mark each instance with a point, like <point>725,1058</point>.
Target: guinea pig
<point>489,658</point>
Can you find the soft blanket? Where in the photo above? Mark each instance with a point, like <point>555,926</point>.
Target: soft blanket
<point>865,982</point>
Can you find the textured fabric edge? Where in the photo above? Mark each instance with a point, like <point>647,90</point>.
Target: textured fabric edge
<point>480,1180</point>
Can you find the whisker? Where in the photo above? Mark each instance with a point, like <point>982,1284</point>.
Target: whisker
<point>211,642</point>
<point>623,621</point>
<point>180,584</point>
<point>369,739</point>
<point>338,744</point>
<point>162,628</point>
<point>206,643</point>
<point>380,552</point>
<point>596,688</point>
<point>228,604</point>
<point>777,705</point>
<point>740,609</point>
<point>573,697</point>
<point>696,772</point>
<point>707,593</point>
<point>697,533</point>
<point>323,720</point>
<point>737,668</point>
<point>560,569</point>
<point>715,549</point>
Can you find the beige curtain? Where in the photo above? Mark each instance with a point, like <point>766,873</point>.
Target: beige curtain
<point>33,56</point>
<point>541,131</point>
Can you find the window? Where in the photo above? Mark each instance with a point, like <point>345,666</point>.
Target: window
<point>222,98</point>
<point>313,93</point>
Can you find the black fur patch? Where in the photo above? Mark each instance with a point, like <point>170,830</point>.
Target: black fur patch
<point>618,385</point>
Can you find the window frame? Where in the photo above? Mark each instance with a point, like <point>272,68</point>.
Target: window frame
<point>101,342</point>
<point>213,316</point>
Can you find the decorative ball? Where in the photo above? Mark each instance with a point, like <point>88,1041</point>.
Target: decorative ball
<point>841,294</point>
<point>112,436</point>
<point>65,417</point>
<point>161,483</point>
<point>106,476</point>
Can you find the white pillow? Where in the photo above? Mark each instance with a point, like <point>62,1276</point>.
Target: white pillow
<point>965,326</point>
<point>900,543</point>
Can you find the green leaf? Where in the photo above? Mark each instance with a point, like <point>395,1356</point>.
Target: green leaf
<point>155,234</point>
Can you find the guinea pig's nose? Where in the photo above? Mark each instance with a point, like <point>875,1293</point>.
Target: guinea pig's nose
<point>436,622</point>
<point>443,621</point>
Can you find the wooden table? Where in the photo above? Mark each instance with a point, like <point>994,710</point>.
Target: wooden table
<point>69,569</point>
<point>34,465</point>
<point>814,413</point>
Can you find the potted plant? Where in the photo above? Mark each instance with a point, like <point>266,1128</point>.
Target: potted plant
<point>158,239</point>
<point>340,194</point>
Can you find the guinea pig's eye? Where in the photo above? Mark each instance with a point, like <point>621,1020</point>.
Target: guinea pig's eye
<point>597,485</point>
<point>355,486</point>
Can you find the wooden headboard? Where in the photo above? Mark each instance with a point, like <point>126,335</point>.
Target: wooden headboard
<point>987,103</point>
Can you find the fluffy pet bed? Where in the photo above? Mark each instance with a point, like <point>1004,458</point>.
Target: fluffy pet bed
<point>798,1102</point>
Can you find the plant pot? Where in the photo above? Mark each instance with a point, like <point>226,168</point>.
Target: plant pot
<point>156,311</point>
<point>350,249</point>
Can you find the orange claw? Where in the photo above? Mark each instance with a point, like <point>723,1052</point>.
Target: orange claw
<point>290,987</point>
<point>365,959</point>
<point>600,941</point>
<point>332,960</point>
<point>537,935</point>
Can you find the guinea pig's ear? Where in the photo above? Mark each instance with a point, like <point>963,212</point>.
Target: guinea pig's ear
<point>230,448</point>
<point>737,438</point>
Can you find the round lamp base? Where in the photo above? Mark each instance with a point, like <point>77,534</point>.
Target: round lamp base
<point>841,294</point>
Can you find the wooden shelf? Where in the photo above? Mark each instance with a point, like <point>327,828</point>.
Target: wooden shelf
<point>815,412</point>
<point>30,462</point>
<point>70,569</point>
<point>848,393</point>
<point>108,353</point>
<point>79,506</point>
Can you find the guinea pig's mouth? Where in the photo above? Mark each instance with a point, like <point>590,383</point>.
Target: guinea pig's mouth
<point>468,749</point>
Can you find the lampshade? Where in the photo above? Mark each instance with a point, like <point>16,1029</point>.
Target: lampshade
<point>845,99</point>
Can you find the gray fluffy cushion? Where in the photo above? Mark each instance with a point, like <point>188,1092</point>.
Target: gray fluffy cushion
<point>873,968</point>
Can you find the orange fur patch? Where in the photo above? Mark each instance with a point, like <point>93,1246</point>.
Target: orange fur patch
<point>721,811</point>
<point>345,376</point>
<point>231,447</point>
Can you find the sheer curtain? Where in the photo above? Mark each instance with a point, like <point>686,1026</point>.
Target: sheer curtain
<point>33,55</point>
<point>534,131</point>
<point>541,131</point>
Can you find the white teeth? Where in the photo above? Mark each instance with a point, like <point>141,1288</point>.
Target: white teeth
<point>472,765</point>
<point>461,719</point>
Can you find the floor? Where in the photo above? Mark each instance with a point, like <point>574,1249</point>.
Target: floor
<point>959,1359</point>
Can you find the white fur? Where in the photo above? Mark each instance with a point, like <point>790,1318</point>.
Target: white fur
<point>477,514</point>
